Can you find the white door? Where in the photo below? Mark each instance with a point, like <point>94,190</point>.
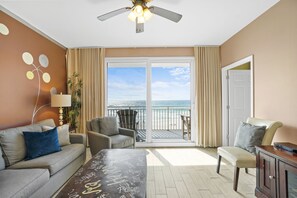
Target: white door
<point>239,98</point>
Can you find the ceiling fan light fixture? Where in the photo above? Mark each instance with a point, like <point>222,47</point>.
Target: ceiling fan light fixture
<point>140,13</point>
<point>138,10</point>
<point>140,19</point>
<point>132,16</point>
<point>147,14</point>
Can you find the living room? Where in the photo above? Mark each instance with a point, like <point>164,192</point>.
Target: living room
<point>37,57</point>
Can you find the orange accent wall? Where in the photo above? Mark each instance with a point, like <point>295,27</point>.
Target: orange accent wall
<point>272,39</point>
<point>17,93</point>
<point>149,52</point>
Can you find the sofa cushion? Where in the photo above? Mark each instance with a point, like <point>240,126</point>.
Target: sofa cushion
<point>2,162</point>
<point>95,125</point>
<point>47,122</point>
<point>55,161</point>
<point>13,143</point>
<point>248,136</point>
<point>41,143</point>
<point>108,126</point>
<point>63,133</point>
<point>22,183</point>
<point>121,141</point>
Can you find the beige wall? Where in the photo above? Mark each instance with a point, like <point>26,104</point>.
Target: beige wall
<point>272,39</point>
<point>150,52</point>
<point>17,93</point>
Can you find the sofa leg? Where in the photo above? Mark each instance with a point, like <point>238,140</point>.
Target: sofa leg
<point>236,175</point>
<point>246,171</point>
<point>219,163</point>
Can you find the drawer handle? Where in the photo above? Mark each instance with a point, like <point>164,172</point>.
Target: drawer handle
<point>271,177</point>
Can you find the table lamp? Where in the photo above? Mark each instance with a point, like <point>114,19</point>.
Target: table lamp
<point>60,100</point>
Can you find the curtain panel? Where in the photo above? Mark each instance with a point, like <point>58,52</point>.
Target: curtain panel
<point>90,65</point>
<point>208,97</point>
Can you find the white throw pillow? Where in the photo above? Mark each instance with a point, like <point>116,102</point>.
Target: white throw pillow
<point>63,133</point>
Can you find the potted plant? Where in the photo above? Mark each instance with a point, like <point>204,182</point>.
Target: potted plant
<point>74,87</point>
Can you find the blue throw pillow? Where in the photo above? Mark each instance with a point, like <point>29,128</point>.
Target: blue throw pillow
<point>41,143</point>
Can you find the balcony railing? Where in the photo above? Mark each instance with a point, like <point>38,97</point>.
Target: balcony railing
<point>163,118</point>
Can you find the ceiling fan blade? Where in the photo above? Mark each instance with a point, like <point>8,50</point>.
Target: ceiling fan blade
<point>173,16</point>
<point>113,13</point>
<point>139,27</point>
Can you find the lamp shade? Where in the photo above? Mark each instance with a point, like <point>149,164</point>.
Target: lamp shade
<point>60,100</point>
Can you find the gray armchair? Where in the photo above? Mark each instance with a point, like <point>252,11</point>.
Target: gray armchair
<point>103,133</point>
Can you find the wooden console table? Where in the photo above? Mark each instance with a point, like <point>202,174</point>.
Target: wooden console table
<point>110,173</point>
<point>276,173</point>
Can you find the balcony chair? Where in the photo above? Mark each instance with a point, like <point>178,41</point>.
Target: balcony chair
<point>127,119</point>
<point>186,126</point>
<point>104,133</point>
<point>240,158</point>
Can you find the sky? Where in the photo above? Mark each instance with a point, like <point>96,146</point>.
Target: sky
<point>168,83</point>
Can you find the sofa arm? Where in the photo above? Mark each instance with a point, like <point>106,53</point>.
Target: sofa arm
<point>128,132</point>
<point>77,138</point>
<point>98,142</point>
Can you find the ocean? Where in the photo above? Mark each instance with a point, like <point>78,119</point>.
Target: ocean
<point>166,114</point>
<point>155,103</point>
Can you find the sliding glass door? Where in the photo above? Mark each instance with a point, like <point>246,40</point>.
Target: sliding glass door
<point>156,93</point>
<point>126,88</point>
<point>171,100</point>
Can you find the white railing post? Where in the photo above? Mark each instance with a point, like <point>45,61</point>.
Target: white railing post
<point>167,119</point>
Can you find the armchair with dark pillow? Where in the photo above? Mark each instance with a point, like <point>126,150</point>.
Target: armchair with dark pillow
<point>104,133</point>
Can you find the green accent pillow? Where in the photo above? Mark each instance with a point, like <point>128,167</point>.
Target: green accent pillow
<point>248,136</point>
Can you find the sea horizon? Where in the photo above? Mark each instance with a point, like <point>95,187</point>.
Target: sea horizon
<point>155,103</point>
<point>165,113</point>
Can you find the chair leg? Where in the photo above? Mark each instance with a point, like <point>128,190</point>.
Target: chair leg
<point>236,175</point>
<point>219,163</point>
<point>183,129</point>
<point>246,171</point>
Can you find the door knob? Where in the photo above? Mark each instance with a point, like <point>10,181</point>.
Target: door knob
<point>271,177</point>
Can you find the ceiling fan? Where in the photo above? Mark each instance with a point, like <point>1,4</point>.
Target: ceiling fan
<point>140,13</point>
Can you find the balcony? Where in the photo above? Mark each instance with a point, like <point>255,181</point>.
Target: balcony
<point>166,121</point>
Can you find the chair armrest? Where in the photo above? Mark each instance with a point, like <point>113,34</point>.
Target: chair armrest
<point>98,142</point>
<point>76,138</point>
<point>127,132</point>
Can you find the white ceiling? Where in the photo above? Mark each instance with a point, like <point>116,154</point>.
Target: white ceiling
<point>73,23</point>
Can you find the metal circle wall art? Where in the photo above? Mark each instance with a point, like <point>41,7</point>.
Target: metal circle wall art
<point>46,77</point>
<point>43,60</point>
<point>37,72</point>
<point>53,90</point>
<point>4,29</point>
<point>27,58</point>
